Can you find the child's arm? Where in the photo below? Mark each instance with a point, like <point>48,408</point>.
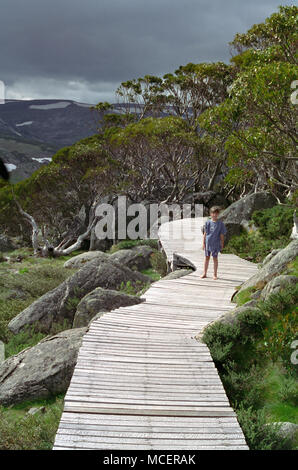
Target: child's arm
<point>222,240</point>
<point>222,235</point>
<point>204,241</point>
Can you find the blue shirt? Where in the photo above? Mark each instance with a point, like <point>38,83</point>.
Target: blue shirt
<point>213,231</point>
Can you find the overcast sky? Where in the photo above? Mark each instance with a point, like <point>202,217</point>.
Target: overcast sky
<point>83,49</point>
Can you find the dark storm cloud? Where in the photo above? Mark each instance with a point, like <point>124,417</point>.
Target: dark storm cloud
<point>83,49</point>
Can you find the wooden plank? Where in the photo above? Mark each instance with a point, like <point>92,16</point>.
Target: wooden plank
<point>169,436</point>
<point>105,385</point>
<point>138,395</point>
<point>88,446</point>
<point>215,430</point>
<point>149,410</point>
<point>143,420</point>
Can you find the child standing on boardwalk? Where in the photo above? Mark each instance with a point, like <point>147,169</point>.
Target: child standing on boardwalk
<point>213,241</point>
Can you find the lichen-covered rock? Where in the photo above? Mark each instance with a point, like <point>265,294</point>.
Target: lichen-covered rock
<point>243,209</point>
<point>176,274</point>
<point>136,258</point>
<point>278,283</point>
<point>41,371</point>
<point>80,260</point>
<point>102,300</point>
<point>286,430</point>
<point>237,216</point>
<point>232,316</point>
<point>180,261</point>
<point>273,267</point>
<point>61,303</point>
<point>269,256</point>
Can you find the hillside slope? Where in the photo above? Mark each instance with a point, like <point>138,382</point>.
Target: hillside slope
<point>32,131</point>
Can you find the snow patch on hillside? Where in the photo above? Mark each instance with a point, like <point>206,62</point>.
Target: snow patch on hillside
<point>83,105</point>
<point>41,160</point>
<point>59,104</point>
<point>10,166</point>
<point>27,123</point>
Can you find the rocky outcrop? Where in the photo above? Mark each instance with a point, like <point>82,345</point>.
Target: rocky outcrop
<point>207,198</point>
<point>6,243</point>
<point>232,316</point>
<point>276,284</point>
<point>276,265</point>
<point>237,216</point>
<point>269,256</point>
<point>41,371</point>
<point>61,302</point>
<point>180,262</point>
<point>176,274</point>
<point>243,209</point>
<point>286,430</point>
<point>136,258</point>
<point>102,300</point>
<point>80,260</point>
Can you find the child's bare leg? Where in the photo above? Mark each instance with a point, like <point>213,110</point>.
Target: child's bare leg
<point>215,266</point>
<point>206,264</point>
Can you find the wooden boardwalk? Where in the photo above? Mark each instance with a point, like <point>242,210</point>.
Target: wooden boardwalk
<point>142,380</point>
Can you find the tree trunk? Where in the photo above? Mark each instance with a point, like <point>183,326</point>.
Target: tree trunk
<point>35,229</point>
<point>61,249</point>
<point>214,175</point>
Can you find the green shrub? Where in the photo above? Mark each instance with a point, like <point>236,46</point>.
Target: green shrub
<point>253,357</point>
<point>281,301</point>
<point>159,263</point>
<point>281,329</point>
<point>293,199</point>
<point>29,279</point>
<point>38,279</point>
<point>23,270</point>
<point>220,339</point>
<point>130,289</point>
<point>20,431</point>
<point>244,386</point>
<point>252,323</point>
<point>155,276</point>
<point>274,228</point>
<point>288,391</point>
<point>279,336</point>
<point>24,339</point>
<point>243,296</point>
<point>259,435</point>
<point>292,267</point>
<point>30,336</point>
<point>253,246</point>
<point>8,310</point>
<point>276,222</point>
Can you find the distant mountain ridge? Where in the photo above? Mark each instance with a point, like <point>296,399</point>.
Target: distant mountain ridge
<point>55,122</point>
<point>32,131</point>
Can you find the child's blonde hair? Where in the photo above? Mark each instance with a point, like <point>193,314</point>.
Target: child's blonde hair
<point>215,209</point>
